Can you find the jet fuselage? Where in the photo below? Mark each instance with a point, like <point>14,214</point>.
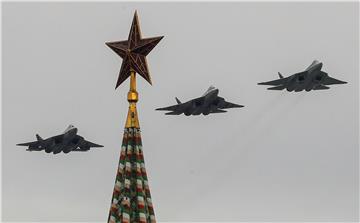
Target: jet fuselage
<point>312,78</point>
<point>66,142</point>
<point>307,80</point>
<point>208,103</point>
<point>205,106</point>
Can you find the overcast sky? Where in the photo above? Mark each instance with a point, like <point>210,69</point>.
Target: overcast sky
<point>283,157</point>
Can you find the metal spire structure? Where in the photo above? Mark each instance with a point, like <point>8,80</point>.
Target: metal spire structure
<point>131,199</point>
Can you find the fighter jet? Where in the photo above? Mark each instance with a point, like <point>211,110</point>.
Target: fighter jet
<point>66,142</point>
<point>310,79</point>
<point>208,103</point>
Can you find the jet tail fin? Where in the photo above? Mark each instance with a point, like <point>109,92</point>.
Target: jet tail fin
<point>177,100</point>
<point>280,75</point>
<point>38,137</point>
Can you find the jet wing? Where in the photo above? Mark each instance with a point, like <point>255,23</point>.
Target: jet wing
<point>28,143</point>
<point>218,111</point>
<point>280,87</point>
<point>329,80</point>
<point>85,145</point>
<point>91,144</point>
<point>41,144</point>
<point>275,82</point>
<point>169,108</point>
<point>57,139</point>
<point>179,108</point>
<point>33,146</point>
<point>281,81</point>
<point>321,87</point>
<point>229,104</point>
<point>173,113</point>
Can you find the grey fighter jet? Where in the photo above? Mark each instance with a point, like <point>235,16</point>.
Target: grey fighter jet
<point>66,142</point>
<point>310,79</point>
<point>208,103</point>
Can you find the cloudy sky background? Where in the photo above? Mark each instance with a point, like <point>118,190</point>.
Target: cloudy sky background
<point>283,157</point>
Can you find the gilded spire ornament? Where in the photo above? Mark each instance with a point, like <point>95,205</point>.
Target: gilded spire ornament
<point>133,52</point>
<point>131,200</point>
